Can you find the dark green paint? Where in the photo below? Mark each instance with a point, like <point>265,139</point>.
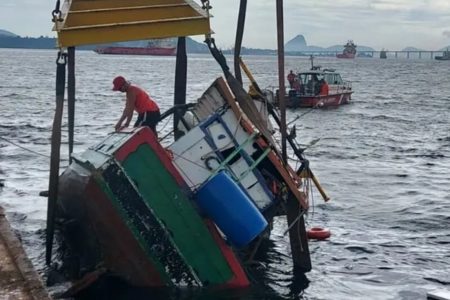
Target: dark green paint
<point>104,186</point>
<point>172,207</point>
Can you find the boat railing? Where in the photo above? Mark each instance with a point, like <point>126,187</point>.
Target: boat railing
<point>344,87</point>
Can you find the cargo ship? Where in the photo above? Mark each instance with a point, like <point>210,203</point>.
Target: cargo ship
<point>349,50</point>
<point>149,50</point>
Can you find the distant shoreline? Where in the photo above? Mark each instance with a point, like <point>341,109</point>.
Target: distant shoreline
<point>42,42</point>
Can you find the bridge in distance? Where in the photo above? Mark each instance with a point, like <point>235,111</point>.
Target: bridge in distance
<point>376,53</point>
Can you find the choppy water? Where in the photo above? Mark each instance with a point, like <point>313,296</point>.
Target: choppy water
<point>384,160</point>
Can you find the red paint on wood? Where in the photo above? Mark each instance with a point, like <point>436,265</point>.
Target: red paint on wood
<point>239,279</point>
<point>122,253</point>
<point>145,136</point>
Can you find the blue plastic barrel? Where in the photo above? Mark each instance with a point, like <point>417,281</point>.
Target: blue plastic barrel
<point>231,209</point>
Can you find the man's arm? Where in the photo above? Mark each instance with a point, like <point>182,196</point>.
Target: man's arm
<point>127,113</point>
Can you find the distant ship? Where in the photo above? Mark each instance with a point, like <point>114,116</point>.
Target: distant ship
<point>383,54</point>
<point>364,55</point>
<point>150,49</point>
<point>349,51</point>
<point>445,55</point>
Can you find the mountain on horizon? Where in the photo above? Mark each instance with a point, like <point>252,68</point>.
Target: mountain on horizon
<point>11,40</point>
<point>298,44</point>
<point>409,48</point>
<point>7,33</point>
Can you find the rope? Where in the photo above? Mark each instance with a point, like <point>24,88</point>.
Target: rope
<point>164,127</point>
<point>192,185</point>
<point>26,149</point>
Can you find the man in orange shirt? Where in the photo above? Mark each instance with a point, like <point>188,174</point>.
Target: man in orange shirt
<point>137,100</point>
<point>296,85</point>
<point>291,78</point>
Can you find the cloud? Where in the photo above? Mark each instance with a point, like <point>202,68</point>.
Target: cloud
<point>376,23</point>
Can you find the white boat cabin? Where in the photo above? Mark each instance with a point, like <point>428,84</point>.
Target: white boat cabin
<point>309,82</point>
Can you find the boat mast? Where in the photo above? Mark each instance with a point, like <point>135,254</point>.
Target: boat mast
<point>238,42</point>
<point>281,90</point>
<point>180,83</point>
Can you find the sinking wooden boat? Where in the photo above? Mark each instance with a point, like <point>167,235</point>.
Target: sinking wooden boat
<point>190,213</point>
<point>180,215</point>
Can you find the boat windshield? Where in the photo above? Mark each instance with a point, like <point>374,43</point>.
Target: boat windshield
<point>333,78</point>
<point>306,78</point>
<point>330,78</point>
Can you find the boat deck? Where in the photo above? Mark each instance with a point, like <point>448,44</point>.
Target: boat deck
<point>18,278</point>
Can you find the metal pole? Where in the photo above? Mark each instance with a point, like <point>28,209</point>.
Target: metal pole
<point>281,90</point>
<point>238,42</point>
<point>55,154</point>
<point>180,82</point>
<point>71,97</point>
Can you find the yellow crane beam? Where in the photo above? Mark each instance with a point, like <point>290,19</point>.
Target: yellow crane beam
<point>128,14</point>
<point>107,4</point>
<point>107,21</point>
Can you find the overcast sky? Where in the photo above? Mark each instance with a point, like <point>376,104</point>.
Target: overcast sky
<point>391,24</point>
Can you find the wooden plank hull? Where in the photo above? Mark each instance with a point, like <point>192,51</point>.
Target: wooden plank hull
<point>132,213</point>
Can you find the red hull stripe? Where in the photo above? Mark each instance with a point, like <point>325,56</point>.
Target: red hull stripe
<point>145,136</point>
<point>240,278</point>
<point>125,255</point>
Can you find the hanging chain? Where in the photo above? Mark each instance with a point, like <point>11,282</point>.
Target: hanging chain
<point>56,13</point>
<point>206,6</point>
<point>62,58</point>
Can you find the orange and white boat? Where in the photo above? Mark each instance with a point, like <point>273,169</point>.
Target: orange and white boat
<point>306,90</point>
<point>349,50</point>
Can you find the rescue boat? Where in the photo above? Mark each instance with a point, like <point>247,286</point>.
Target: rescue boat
<point>306,92</point>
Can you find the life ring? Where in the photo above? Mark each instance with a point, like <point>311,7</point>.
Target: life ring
<point>318,233</point>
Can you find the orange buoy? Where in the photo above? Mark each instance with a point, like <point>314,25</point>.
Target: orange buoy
<point>318,233</point>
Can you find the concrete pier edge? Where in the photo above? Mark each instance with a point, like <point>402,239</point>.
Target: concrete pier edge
<point>32,283</point>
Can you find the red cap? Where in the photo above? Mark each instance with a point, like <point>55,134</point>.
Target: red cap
<point>118,83</point>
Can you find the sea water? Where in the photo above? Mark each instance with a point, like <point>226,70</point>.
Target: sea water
<point>384,160</point>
